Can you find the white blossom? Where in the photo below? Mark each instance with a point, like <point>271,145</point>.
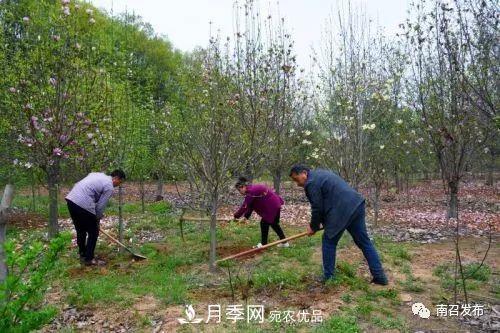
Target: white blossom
<point>382,146</point>
<point>66,10</point>
<point>89,11</point>
<point>368,126</point>
<point>399,121</point>
<point>307,133</point>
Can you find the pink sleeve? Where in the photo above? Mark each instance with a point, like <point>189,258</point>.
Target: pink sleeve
<point>245,207</point>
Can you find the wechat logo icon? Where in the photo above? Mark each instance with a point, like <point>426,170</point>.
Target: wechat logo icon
<point>420,310</point>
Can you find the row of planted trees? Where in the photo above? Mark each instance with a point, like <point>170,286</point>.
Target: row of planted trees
<point>82,90</point>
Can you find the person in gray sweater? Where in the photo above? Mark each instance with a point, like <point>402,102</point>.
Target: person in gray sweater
<point>86,203</point>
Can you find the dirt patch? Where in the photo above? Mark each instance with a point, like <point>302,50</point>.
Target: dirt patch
<point>26,220</point>
<point>226,251</point>
<point>163,248</point>
<point>145,304</point>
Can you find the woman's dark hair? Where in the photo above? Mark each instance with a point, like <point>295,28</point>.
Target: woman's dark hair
<point>242,181</point>
<point>299,168</point>
<point>118,173</point>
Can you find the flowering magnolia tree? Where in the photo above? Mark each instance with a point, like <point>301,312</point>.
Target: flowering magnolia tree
<point>58,92</point>
<point>207,142</point>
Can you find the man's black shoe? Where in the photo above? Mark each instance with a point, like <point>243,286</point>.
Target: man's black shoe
<point>381,281</point>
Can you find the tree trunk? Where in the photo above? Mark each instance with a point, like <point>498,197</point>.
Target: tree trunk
<point>120,214</point>
<point>33,195</point>
<point>407,180</point>
<point>143,207</point>
<point>277,181</point>
<point>159,189</point>
<point>376,203</point>
<point>453,203</point>
<point>8,195</point>
<point>491,168</point>
<point>213,232</point>
<point>397,180</point>
<point>53,182</point>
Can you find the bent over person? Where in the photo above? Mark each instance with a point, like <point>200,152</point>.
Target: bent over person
<point>266,204</point>
<point>86,203</point>
<point>337,207</point>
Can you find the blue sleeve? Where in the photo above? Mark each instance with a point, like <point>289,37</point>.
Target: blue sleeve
<point>315,197</point>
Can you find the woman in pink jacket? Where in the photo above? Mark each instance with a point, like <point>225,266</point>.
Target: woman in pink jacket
<point>265,203</point>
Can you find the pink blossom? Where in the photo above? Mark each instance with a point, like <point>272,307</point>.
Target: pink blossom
<point>28,106</point>
<point>63,138</point>
<point>65,2</point>
<point>12,90</point>
<point>56,38</point>
<point>34,122</point>
<point>52,81</point>
<point>90,135</point>
<point>26,19</point>
<point>57,152</point>
<point>66,10</point>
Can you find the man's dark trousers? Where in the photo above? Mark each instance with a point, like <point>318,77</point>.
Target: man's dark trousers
<point>87,230</point>
<point>357,228</point>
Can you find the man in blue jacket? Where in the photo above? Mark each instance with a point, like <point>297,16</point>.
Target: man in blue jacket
<point>337,207</point>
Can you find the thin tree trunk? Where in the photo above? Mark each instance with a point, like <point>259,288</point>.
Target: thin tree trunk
<point>397,180</point>
<point>277,181</point>
<point>213,233</point>
<point>376,203</point>
<point>8,195</point>
<point>491,167</point>
<point>407,180</point>
<point>143,207</point>
<point>33,196</point>
<point>53,182</point>
<point>453,202</point>
<point>120,214</point>
<point>159,189</point>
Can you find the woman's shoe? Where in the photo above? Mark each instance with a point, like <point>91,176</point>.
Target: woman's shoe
<point>285,244</point>
<point>258,246</point>
<point>95,262</point>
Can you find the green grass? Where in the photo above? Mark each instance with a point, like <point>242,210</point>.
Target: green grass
<point>388,323</point>
<point>122,285</point>
<point>25,202</point>
<point>339,324</point>
<point>476,277</point>
<point>175,272</point>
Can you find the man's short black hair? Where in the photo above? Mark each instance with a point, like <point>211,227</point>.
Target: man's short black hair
<point>118,173</point>
<point>299,168</point>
